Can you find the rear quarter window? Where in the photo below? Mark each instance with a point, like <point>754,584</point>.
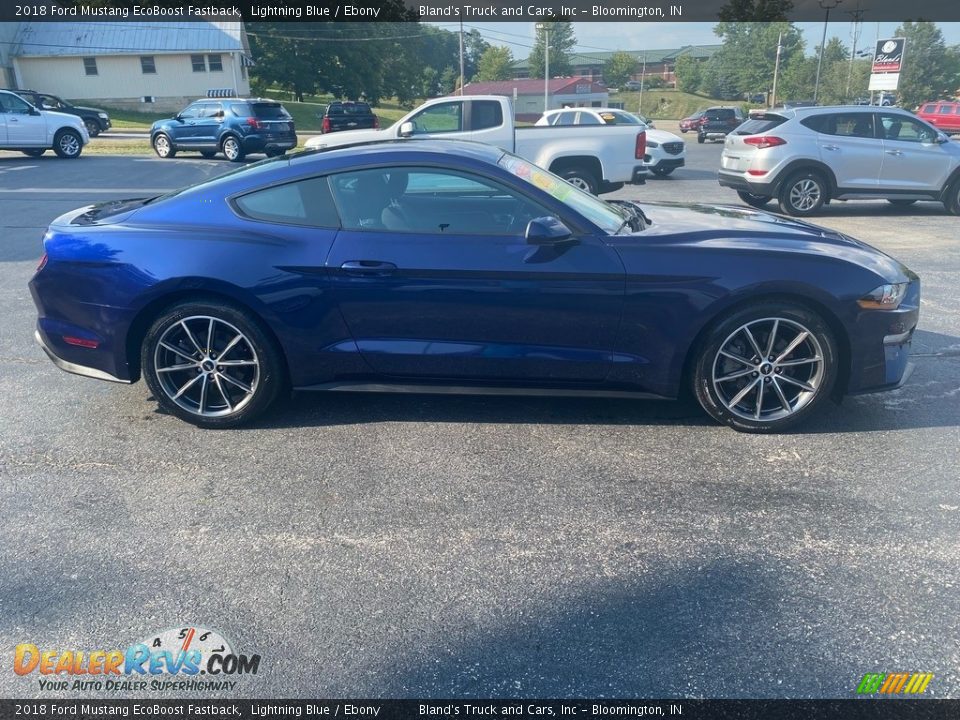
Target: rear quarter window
<point>817,123</point>
<point>303,202</point>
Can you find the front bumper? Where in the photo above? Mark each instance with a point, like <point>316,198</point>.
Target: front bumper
<point>668,162</point>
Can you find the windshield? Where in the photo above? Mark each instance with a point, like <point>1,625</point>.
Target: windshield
<point>610,219</point>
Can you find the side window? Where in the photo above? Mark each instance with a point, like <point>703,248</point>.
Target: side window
<point>14,105</point>
<point>446,117</point>
<point>905,129</point>
<point>215,62</point>
<point>486,114</point>
<point>427,201</point>
<point>89,66</point>
<point>588,119</point>
<point>566,118</point>
<point>198,63</point>
<point>929,109</point>
<point>851,125</point>
<point>147,65</point>
<point>49,102</point>
<point>304,202</point>
<point>210,110</point>
<point>190,112</point>
<point>944,110</point>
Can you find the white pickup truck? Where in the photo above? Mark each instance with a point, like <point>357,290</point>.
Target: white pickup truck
<point>594,158</point>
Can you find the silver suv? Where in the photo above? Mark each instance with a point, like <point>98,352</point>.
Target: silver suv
<point>806,157</point>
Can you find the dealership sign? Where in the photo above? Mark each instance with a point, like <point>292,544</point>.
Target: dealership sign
<point>887,64</point>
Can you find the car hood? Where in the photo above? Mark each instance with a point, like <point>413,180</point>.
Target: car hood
<point>739,228</point>
<point>65,118</point>
<point>347,137</point>
<point>662,136</point>
<point>88,109</point>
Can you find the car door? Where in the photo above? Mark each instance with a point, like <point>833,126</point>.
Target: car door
<point>440,120</point>
<point>450,288</point>
<point>912,157</point>
<point>24,129</point>
<point>206,127</point>
<point>184,126</point>
<point>849,145</point>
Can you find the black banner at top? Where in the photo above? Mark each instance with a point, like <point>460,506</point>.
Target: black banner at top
<point>476,10</point>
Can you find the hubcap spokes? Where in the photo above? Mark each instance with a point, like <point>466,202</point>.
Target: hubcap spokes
<point>69,144</point>
<point>207,366</point>
<point>768,369</point>
<point>804,195</point>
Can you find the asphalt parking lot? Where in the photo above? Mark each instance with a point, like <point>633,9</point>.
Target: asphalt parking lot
<point>408,546</point>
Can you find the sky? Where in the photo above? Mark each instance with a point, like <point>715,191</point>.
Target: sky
<point>594,36</point>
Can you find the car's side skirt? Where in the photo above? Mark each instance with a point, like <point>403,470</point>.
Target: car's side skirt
<point>438,389</point>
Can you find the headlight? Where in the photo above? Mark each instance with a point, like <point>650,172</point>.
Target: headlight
<point>651,144</point>
<point>103,116</point>
<point>885,297</point>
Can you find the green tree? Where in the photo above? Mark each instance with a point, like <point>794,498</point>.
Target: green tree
<point>748,56</point>
<point>496,63</point>
<point>689,73</point>
<point>562,41</point>
<point>756,11</point>
<point>619,69</point>
<point>930,68</point>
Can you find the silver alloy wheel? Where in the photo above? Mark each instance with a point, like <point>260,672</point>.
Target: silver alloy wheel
<point>207,366</point>
<point>69,144</point>
<point>162,146</point>
<point>579,182</point>
<point>231,148</point>
<point>805,194</point>
<point>768,369</point>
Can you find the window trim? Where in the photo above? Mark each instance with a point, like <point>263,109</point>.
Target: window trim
<point>152,65</point>
<point>219,57</point>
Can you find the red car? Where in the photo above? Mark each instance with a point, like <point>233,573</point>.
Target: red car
<point>691,123</point>
<point>942,114</point>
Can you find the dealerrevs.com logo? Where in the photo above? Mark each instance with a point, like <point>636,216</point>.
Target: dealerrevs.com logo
<point>170,660</point>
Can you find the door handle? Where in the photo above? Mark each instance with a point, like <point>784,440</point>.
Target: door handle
<point>894,152</point>
<point>367,267</point>
<point>831,147</point>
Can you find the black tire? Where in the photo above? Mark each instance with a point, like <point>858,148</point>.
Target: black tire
<point>34,152</point>
<point>211,395</point>
<point>662,171</point>
<point>952,199</point>
<point>757,201</point>
<point>68,144</point>
<point>581,178</point>
<point>232,149</point>
<point>93,127</point>
<point>803,194</point>
<point>901,203</point>
<point>208,153</point>
<point>701,139</point>
<point>163,146</point>
<point>684,131</point>
<point>783,403</point>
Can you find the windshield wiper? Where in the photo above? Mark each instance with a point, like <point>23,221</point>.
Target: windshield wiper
<point>636,219</point>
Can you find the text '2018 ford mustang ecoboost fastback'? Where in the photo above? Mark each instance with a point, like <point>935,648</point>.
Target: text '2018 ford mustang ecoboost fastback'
<point>433,266</point>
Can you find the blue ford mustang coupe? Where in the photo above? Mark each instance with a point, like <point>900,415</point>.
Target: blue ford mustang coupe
<point>431,266</point>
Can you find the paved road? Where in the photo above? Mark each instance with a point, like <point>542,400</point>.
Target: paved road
<point>422,546</point>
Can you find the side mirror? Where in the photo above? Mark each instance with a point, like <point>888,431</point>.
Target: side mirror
<point>33,111</point>
<point>547,231</point>
<point>178,117</point>
<point>942,138</point>
<point>407,129</point>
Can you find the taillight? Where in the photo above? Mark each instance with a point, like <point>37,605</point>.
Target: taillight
<point>376,123</point>
<point>703,121</point>
<point>326,125</point>
<point>43,263</point>
<point>762,142</point>
<point>641,148</point>
<point>254,123</point>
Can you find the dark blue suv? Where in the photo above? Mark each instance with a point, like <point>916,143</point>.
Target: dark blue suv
<point>233,126</point>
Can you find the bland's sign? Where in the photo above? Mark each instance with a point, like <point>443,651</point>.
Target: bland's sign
<point>889,56</point>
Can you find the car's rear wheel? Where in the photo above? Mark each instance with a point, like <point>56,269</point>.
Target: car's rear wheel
<point>93,127</point>
<point>901,203</point>
<point>232,149</point>
<point>701,139</point>
<point>766,367</point>
<point>208,153</point>
<point>211,364</point>
<point>163,146</point>
<point>803,194</point>
<point>952,200</point>
<point>662,171</point>
<point>34,152</point>
<point>67,144</point>
<point>581,178</point>
<point>757,201</point>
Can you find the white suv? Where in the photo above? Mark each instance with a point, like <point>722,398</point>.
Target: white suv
<point>665,151</point>
<point>806,157</point>
<point>32,131</point>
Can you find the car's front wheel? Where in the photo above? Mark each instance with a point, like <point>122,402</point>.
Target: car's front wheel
<point>211,364</point>
<point>701,139</point>
<point>803,194</point>
<point>93,127</point>
<point>232,149</point>
<point>163,146</point>
<point>766,367</point>
<point>757,201</point>
<point>67,144</point>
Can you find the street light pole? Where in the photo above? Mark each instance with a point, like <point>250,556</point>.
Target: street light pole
<point>461,56</point>
<point>827,5</point>
<point>776,71</point>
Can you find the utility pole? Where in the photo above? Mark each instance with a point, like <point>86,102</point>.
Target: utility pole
<point>545,29</point>
<point>856,17</point>
<point>643,78</point>
<point>461,56</point>
<point>776,71</point>
<point>827,5</point>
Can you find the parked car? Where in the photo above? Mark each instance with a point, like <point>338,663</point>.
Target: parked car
<point>792,104</point>
<point>348,116</point>
<point>942,114</point>
<point>718,122</point>
<point>440,267</point>
<point>96,120</point>
<point>811,156</point>
<point>236,127</point>
<point>691,122</point>
<point>665,151</point>
<point>31,131</point>
<point>633,85</point>
<point>597,159</point>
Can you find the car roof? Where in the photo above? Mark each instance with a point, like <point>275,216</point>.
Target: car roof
<point>399,149</point>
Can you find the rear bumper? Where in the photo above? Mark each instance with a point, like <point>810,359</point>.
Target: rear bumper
<point>72,367</point>
<point>640,175</point>
<point>262,143</point>
<point>738,182</point>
